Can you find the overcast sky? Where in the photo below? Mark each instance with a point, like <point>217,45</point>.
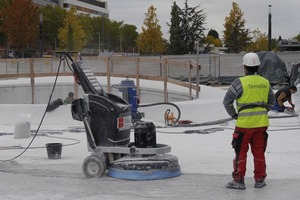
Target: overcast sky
<point>285,14</point>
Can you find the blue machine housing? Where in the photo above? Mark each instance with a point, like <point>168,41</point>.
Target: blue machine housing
<point>128,89</point>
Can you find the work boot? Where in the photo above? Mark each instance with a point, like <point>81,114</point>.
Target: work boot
<point>260,184</point>
<point>236,185</point>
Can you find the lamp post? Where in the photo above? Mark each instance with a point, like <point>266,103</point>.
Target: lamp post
<point>102,29</point>
<point>197,70</point>
<point>270,29</point>
<point>121,43</point>
<point>99,44</point>
<point>121,37</point>
<point>41,34</point>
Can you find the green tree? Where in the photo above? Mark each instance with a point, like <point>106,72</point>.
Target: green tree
<point>192,23</point>
<point>236,36</point>
<point>150,41</point>
<point>53,20</point>
<point>20,23</point>
<point>177,44</point>
<point>259,42</point>
<point>72,36</point>
<point>213,33</point>
<point>96,28</point>
<point>297,37</point>
<point>114,35</point>
<point>106,33</point>
<point>213,38</point>
<point>91,35</point>
<point>130,34</point>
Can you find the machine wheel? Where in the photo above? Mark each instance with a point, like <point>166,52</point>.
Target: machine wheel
<point>93,166</point>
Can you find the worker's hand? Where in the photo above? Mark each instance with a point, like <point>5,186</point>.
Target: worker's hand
<point>235,116</point>
<point>293,105</point>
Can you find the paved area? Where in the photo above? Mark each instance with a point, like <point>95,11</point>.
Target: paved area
<point>18,185</point>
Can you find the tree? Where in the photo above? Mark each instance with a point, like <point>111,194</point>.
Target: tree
<point>72,36</point>
<point>297,37</point>
<point>114,35</point>
<point>213,38</point>
<point>260,41</point>
<point>2,35</point>
<point>150,41</point>
<point>210,40</point>
<point>192,23</point>
<point>20,23</point>
<point>130,34</point>
<point>236,36</point>
<point>91,34</point>
<point>177,45</point>
<point>187,26</point>
<point>213,33</point>
<point>53,20</point>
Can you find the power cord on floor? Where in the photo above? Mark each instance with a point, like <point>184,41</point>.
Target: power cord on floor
<point>42,119</point>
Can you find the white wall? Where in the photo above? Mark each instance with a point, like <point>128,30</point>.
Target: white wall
<point>18,91</point>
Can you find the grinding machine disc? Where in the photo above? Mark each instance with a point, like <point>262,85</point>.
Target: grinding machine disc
<point>160,166</point>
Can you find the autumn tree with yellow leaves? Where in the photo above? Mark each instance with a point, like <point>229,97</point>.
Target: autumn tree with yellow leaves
<point>150,40</point>
<point>72,36</point>
<point>236,36</point>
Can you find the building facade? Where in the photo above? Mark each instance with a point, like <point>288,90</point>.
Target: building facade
<point>94,8</point>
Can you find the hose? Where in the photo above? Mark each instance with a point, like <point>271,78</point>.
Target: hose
<point>203,124</point>
<point>167,103</point>
<point>225,120</point>
<point>42,119</point>
<point>211,130</point>
<point>76,141</point>
<point>217,129</point>
<point>199,131</point>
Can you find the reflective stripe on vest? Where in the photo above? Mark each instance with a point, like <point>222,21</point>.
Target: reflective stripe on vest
<point>252,104</point>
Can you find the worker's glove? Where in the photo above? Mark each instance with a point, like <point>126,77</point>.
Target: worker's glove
<point>235,116</point>
<point>281,109</point>
<point>293,105</point>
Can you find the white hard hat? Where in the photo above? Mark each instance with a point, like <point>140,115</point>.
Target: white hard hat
<point>251,60</point>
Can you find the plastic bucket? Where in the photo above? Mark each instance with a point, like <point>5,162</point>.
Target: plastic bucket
<point>54,150</point>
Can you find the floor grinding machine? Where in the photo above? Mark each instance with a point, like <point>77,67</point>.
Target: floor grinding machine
<point>108,120</point>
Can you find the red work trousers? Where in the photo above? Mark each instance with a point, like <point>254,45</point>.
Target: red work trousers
<point>257,139</point>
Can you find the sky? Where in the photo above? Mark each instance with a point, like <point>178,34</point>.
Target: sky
<point>204,154</point>
<point>285,14</point>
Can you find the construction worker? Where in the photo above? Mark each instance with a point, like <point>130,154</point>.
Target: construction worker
<point>254,98</point>
<point>283,95</point>
<point>70,98</point>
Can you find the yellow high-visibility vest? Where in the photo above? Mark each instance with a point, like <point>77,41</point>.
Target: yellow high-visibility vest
<point>251,105</point>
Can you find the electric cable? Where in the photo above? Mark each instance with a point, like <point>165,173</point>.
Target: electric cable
<point>214,129</point>
<point>205,123</point>
<point>42,119</point>
<point>217,129</point>
<point>76,141</point>
<point>223,121</point>
<point>220,121</point>
<point>198,131</point>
